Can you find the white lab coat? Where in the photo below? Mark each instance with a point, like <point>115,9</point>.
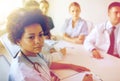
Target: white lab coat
<point>99,38</point>
<point>22,70</point>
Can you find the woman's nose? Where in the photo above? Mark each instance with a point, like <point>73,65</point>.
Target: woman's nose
<point>38,40</point>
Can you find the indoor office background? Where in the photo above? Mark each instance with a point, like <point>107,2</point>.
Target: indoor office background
<point>94,11</point>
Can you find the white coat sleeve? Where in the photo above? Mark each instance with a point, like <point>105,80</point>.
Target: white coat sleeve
<point>90,40</point>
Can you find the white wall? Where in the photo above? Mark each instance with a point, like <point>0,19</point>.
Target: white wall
<point>92,10</point>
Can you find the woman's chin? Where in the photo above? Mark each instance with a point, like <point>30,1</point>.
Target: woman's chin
<point>37,51</point>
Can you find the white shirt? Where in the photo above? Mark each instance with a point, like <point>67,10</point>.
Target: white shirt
<point>99,38</point>
<point>23,70</point>
<point>79,29</point>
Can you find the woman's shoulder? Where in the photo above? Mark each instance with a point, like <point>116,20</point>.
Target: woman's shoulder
<point>82,20</point>
<point>67,20</point>
<point>19,59</point>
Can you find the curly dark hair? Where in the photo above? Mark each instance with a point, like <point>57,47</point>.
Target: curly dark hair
<point>20,18</point>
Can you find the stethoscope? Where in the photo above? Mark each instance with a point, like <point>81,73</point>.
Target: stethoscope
<point>105,25</point>
<point>36,66</point>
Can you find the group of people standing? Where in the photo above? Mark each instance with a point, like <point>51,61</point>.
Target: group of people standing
<point>28,28</point>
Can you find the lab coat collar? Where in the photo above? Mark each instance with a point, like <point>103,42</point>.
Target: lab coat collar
<point>109,25</point>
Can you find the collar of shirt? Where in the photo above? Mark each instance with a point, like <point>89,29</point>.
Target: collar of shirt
<point>109,25</point>
<point>77,21</point>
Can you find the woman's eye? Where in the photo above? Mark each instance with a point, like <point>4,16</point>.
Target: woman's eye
<point>40,35</point>
<point>31,37</point>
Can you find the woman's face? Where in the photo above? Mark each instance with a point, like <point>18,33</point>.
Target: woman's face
<point>32,40</point>
<point>44,8</point>
<point>74,11</point>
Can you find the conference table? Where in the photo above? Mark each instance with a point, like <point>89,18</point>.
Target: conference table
<point>106,69</point>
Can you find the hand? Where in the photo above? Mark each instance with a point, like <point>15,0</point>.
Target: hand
<point>63,51</point>
<point>53,37</point>
<point>96,54</point>
<point>80,39</point>
<point>88,77</point>
<point>52,50</point>
<point>79,68</point>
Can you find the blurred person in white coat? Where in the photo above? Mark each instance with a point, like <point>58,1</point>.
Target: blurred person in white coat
<point>99,39</point>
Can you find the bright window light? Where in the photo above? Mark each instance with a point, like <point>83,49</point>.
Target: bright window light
<point>6,6</point>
